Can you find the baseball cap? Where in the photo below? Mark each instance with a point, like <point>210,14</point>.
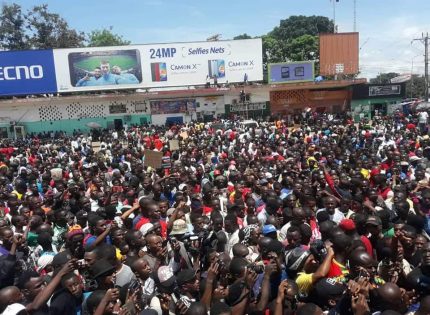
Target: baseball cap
<point>374,220</point>
<point>268,228</point>
<point>296,258</point>
<point>185,276</point>
<point>164,278</point>
<point>347,225</point>
<point>326,289</point>
<point>101,268</point>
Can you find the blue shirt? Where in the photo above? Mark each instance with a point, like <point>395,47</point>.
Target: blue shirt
<point>127,78</point>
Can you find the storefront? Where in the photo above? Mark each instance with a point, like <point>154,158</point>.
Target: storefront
<point>327,96</point>
<point>369,100</point>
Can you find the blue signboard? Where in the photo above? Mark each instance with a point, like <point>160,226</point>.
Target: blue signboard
<point>27,72</point>
<point>291,72</point>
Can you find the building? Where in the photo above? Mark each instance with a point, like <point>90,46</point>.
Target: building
<point>325,96</point>
<point>369,100</point>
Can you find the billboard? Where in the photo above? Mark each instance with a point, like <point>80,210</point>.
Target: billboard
<point>173,106</point>
<point>158,65</point>
<point>385,90</point>
<point>291,72</point>
<point>27,72</point>
<point>339,53</point>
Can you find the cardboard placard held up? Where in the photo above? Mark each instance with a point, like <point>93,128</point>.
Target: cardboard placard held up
<point>153,158</point>
<point>184,135</point>
<point>95,146</point>
<point>174,145</point>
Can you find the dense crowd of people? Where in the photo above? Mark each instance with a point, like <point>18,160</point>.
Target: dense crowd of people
<point>326,216</point>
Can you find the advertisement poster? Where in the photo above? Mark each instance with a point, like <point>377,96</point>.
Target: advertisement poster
<point>27,72</point>
<point>101,68</point>
<point>173,106</point>
<point>130,67</point>
<point>291,72</point>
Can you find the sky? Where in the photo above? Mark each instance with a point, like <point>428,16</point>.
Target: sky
<point>386,27</point>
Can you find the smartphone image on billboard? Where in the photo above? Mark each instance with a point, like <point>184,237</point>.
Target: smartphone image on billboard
<point>159,71</point>
<point>285,72</point>
<point>216,68</point>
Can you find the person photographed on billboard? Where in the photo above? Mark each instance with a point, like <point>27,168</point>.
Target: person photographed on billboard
<point>90,79</point>
<point>107,77</point>
<point>124,77</point>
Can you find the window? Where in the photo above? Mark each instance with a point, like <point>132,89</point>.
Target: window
<point>299,71</point>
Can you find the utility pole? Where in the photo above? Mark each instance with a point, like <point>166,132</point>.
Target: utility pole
<point>334,15</point>
<point>425,41</point>
<point>355,16</point>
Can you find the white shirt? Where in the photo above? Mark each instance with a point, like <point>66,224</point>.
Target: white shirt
<point>336,217</point>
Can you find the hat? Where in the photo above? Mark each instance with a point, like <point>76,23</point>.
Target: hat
<point>101,268</point>
<point>44,261</point>
<point>327,288</point>
<point>179,227</point>
<point>268,175</point>
<point>347,225</point>
<point>404,163</point>
<point>13,309</point>
<point>374,220</point>
<point>144,229</point>
<point>268,228</point>
<point>414,158</point>
<point>263,181</point>
<point>217,172</point>
<point>185,276</point>
<point>296,258</point>
<point>234,293</point>
<point>74,230</point>
<point>60,259</point>
<point>164,277</point>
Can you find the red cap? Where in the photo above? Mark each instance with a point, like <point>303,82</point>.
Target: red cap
<point>347,225</point>
<point>217,172</point>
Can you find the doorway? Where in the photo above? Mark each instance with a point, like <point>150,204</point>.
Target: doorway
<point>118,124</point>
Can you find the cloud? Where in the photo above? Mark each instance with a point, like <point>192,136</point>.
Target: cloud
<point>389,46</point>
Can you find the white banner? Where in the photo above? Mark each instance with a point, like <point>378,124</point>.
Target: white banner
<point>159,65</point>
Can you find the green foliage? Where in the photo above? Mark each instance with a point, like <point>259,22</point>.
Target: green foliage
<point>105,37</point>
<point>242,36</point>
<point>383,78</point>
<point>295,39</point>
<point>302,48</point>
<point>416,87</point>
<point>50,30</point>
<point>12,28</point>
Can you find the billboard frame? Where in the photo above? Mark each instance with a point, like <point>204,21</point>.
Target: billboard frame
<point>291,63</point>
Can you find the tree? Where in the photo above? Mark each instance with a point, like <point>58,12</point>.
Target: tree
<point>105,37</point>
<point>299,25</point>
<point>272,50</point>
<point>302,48</point>
<point>383,78</point>
<point>242,36</point>
<point>12,28</point>
<point>415,88</point>
<point>298,36</point>
<point>50,30</point>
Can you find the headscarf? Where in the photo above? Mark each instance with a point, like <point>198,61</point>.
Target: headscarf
<point>247,233</point>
